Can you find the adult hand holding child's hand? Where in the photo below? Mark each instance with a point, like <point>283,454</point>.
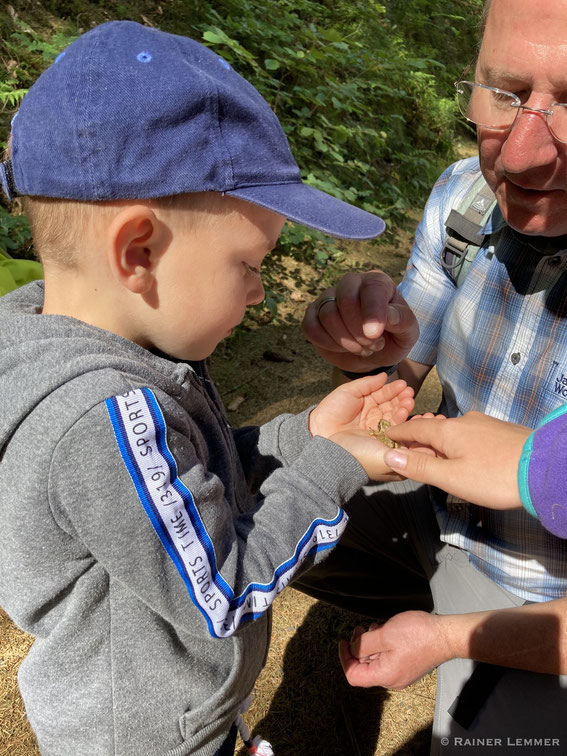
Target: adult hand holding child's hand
<point>351,411</point>
<point>474,457</point>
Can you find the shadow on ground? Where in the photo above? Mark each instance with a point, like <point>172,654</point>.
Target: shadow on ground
<point>314,710</point>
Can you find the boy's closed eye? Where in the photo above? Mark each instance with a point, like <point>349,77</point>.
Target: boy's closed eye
<point>252,270</point>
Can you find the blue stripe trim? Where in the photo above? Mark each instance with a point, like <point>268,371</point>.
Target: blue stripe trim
<point>219,581</point>
<point>292,562</point>
<point>185,493</point>
<point>159,437</point>
<point>138,481</point>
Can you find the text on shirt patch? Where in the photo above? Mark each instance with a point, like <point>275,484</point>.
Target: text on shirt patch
<point>556,381</point>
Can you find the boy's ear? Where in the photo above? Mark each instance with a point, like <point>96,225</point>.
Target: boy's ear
<point>137,239</point>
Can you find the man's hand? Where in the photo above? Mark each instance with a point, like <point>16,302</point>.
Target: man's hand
<point>531,637</point>
<point>476,458</point>
<point>369,325</point>
<point>397,653</point>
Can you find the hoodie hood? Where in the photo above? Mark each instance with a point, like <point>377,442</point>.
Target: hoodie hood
<point>37,356</point>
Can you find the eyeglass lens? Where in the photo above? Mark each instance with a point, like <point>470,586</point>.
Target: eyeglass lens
<point>494,109</point>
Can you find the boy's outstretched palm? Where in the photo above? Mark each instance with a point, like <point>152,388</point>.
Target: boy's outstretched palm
<point>349,412</point>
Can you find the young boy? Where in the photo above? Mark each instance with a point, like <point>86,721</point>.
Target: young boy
<point>140,535</point>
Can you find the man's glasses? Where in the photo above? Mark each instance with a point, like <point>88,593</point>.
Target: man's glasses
<point>494,108</point>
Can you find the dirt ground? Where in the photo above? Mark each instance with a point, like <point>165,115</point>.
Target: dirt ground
<point>303,704</point>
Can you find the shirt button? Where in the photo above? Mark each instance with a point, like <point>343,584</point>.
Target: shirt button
<point>516,357</point>
<point>554,261</point>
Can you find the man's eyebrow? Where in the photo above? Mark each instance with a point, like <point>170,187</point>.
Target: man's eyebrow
<point>492,74</point>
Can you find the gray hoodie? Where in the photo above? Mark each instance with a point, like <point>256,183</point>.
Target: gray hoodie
<point>142,540</point>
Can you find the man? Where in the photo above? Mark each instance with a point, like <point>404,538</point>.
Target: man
<point>498,579</point>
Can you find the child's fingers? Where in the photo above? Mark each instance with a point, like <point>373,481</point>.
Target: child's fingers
<point>368,384</point>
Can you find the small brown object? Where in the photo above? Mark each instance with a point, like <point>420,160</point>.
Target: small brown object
<point>380,434</point>
<point>235,403</point>
<point>276,356</point>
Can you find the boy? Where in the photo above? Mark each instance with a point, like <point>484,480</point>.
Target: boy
<point>140,535</point>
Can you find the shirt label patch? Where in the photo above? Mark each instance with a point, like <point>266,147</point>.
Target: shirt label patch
<point>556,382</point>
<point>140,431</point>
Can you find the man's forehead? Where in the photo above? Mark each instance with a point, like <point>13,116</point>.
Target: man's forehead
<point>524,39</point>
<point>539,23</point>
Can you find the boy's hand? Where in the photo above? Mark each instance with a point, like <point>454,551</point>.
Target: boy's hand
<point>397,653</point>
<point>370,324</point>
<point>348,413</point>
<point>360,405</point>
<point>476,458</point>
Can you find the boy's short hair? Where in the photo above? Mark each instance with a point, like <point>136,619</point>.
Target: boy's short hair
<point>60,226</point>
<point>128,112</point>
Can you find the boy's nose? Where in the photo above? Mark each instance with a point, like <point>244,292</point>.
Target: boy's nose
<point>256,293</point>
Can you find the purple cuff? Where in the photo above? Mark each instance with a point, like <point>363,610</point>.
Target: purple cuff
<point>547,473</point>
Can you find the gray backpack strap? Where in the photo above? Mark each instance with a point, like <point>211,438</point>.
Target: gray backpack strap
<point>464,226</point>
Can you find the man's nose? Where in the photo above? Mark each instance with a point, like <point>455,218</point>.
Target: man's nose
<point>529,144</point>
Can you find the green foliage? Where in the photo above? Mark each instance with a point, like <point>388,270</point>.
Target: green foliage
<point>446,34</point>
<point>364,119</point>
<point>15,235</point>
<point>363,89</point>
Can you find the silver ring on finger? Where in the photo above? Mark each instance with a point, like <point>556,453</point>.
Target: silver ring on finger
<point>324,302</point>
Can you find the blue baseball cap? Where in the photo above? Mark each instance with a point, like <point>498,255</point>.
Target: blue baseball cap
<point>131,112</point>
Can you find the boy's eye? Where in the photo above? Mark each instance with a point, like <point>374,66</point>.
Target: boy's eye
<point>252,270</point>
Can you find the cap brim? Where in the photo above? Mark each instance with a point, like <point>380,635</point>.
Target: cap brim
<point>311,207</point>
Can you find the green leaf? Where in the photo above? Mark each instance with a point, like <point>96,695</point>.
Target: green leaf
<point>213,37</point>
<point>271,64</point>
<point>271,304</point>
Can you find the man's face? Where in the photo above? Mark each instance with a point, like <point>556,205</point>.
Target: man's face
<point>524,50</point>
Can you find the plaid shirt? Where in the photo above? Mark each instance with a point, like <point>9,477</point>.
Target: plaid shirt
<point>500,345</point>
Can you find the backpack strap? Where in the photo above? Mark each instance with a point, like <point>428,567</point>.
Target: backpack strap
<point>464,226</point>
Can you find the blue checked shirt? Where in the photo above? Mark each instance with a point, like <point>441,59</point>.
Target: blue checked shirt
<point>500,345</point>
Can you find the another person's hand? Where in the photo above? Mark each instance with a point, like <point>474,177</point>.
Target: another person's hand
<point>476,458</point>
<point>396,654</point>
<point>363,324</point>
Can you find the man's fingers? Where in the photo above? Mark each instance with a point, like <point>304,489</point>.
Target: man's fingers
<point>357,673</point>
<point>329,338</point>
<point>343,326</point>
<point>375,295</point>
<point>367,644</point>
